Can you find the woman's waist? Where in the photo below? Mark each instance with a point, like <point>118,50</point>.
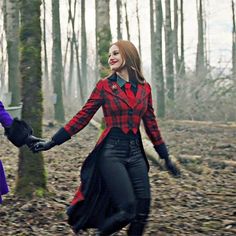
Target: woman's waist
<point>117,133</point>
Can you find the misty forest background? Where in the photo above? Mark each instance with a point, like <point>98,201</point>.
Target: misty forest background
<point>49,64</point>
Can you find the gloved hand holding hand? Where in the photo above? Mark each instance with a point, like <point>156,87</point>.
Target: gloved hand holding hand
<point>163,153</point>
<point>31,140</point>
<point>42,146</point>
<point>58,138</point>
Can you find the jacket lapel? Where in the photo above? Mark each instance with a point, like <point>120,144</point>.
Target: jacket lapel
<point>113,88</point>
<point>141,94</point>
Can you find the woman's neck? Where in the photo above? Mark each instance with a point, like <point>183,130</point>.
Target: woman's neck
<point>123,74</point>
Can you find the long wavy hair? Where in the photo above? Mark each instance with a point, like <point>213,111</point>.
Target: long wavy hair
<point>130,55</point>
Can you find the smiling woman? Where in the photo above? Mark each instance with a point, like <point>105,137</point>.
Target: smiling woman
<point>114,58</point>
<point>115,188</point>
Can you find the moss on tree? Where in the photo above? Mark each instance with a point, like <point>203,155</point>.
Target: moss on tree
<point>31,173</point>
<point>104,40</point>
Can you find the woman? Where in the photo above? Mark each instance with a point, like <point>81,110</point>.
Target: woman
<point>115,189</point>
<point>19,133</point>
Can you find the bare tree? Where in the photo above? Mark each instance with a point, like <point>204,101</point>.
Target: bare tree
<point>175,37</point>
<point>200,59</point>
<point>138,25</point>
<point>70,90</point>
<point>12,36</point>
<point>83,51</point>
<point>46,73</point>
<point>2,52</point>
<point>57,71</point>
<point>159,77</point>
<point>103,35</point>
<point>152,36</point>
<point>31,174</point>
<point>233,42</point>
<point>169,52</point>
<point>127,21</point>
<point>74,47</point>
<point>47,81</point>
<point>182,60</point>
<point>119,17</point>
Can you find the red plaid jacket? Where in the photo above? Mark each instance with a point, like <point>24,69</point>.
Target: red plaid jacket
<point>118,112</point>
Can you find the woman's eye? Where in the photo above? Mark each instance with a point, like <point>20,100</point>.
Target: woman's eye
<point>115,53</point>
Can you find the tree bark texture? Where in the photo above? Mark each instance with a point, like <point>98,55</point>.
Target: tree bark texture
<point>233,42</point>
<point>83,52</point>
<point>127,21</point>
<point>12,36</point>
<point>103,35</point>
<point>119,18</point>
<point>57,70</point>
<point>200,60</point>
<point>31,173</point>
<point>169,53</point>
<point>159,77</point>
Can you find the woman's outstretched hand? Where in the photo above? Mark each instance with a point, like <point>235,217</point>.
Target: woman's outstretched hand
<point>42,146</point>
<point>171,167</point>
<point>164,154</point>
<point>31,140</point>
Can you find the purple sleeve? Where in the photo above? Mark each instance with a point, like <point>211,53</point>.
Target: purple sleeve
<point>5,117</point>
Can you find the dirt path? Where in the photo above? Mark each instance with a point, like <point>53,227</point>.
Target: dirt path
<point>201,202</point>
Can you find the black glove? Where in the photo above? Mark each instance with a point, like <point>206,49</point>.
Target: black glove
<point>42,146</point>
<point>58,138</point>
<point>171,167</point>
<point>163,153</point>
<point>18,132</point>
<point>31,140</point>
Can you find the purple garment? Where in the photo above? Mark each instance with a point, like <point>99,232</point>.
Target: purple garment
<point>5,120</point>
<point>5,117</point>
<point>3,184</point>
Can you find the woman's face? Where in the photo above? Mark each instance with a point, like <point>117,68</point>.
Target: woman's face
<point>115,60</point>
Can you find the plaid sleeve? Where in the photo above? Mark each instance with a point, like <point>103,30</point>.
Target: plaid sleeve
<point>82,118</point>
<point>150,122</point>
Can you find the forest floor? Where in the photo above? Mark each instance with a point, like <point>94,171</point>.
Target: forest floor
<point>201,202</point>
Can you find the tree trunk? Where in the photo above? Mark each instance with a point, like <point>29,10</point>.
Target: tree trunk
<point>64,85</point>
<point>3,60</point>
<point>80,92</point>
<point>175,36</point>
<point>169,53</point>
<point>12,36</point>
<point>127,21</point>
<point>57,71</point>
<point>2,65</point>
<point>47,82</point>
<point>103,35</point>
<point>71,72</point>
<point>200,60</point>
<point>159,77</point>
<point>233,43</point>
<point>138,25</point>
<point>83,51</point>
<point>182,60</point>
<point>152,38</point>
<point>119,21</point>
<point>31,174</point>
<point>46,74</point>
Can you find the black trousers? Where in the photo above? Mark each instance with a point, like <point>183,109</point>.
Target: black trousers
<point>124,171</point>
